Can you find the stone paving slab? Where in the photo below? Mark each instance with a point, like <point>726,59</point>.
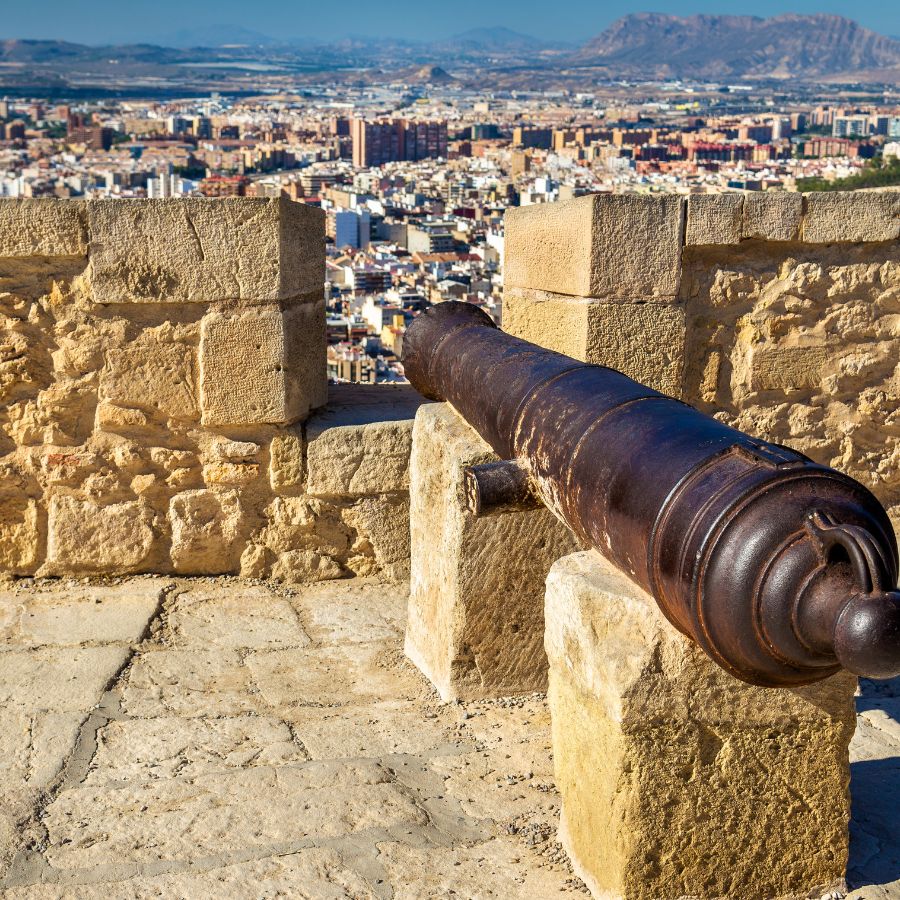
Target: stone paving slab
<point>347,673</point>
<point>217,738</point>
<point>147,750</point>
<point>252,618</point>
<point>77,615</point>
<point>188,682</point>
<point>312,874</point>
<point>257,810</point>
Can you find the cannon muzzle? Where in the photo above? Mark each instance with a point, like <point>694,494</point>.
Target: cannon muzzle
<point>782,570</point>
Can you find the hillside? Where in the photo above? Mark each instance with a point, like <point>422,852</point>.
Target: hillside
<point>706,46</point>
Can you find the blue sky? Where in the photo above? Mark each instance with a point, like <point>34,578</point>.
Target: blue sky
<point>98,21</point>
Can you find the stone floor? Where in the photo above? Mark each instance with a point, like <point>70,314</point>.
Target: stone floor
<point>213,738</point>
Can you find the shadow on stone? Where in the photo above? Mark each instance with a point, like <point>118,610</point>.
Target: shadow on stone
<point>880,695</point>
<point>874,832</point>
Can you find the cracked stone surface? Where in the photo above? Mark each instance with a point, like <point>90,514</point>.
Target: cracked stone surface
<point>213,737</point>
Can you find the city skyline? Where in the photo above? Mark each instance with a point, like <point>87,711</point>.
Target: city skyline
<point>106,21</point>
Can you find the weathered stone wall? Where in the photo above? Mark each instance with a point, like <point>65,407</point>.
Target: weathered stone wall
<point>159,363</point>
<point>779,313</point>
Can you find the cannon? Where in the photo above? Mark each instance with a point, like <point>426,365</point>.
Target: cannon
<point>782,570</point>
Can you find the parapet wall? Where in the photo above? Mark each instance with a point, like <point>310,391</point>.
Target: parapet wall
<point>159,364</point>
<point>778,312</point>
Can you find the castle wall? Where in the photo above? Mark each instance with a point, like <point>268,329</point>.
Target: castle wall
<point>161,368</point>
<point>779,313</point>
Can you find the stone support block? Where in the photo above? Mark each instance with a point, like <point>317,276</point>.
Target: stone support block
<point>475,620</point>
<point>772,216</point>
<point>677,780</point>
<point>360,444</point>
<point>610,246</point>
<point>84,536</point>
<point>714,219</point>
<point>262,365</point>
<point>646,341</point>
<point>42,227</point>
<point>850,216</point>
<point>197,250</point>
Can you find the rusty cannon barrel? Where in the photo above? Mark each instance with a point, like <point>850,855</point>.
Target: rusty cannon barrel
<point>782,570</point>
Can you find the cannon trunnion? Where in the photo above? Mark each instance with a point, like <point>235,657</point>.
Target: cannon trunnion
<point>782,570</point>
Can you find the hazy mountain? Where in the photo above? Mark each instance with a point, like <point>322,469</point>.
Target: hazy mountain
<point>22,51</point>
<point>430,75</point>
<point>61,54</point>
<point>645,46</point>
<point>215,36</point>
<point>497,39</point>
<point>726,46</point>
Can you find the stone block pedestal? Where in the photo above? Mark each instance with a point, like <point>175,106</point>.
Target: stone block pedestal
<point>676,779</point>
<point>476,607</point>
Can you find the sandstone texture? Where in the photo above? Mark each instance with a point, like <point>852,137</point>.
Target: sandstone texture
<point>624,247</point>
<point>606,333</point>
<point>262,365</point>
<point>676,779</point>
<point>772,216</point>
<point>714,219</point>
<point>801,346</point>
<point>43,227</point>
<point>159,360</point>
<point>475,624</point>
<point>191,250</point>
<point>354,450</point>
<point>210,738</point>
<point>838,216</point>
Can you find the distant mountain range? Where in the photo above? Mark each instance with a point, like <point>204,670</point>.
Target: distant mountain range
<point>214,36</point>
<point>713,47</point>
<point>646,46</point>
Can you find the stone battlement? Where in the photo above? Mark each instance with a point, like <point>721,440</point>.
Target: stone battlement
<point>165,409</point>
<point>779,313</point>
<point>163,363</point>
<point>161,366</point>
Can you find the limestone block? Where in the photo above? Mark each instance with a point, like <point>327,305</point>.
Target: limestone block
<point>646,341</point>
<point>786,369</point>
<point>360,444</point>
<point>616,247</point>
<point>230,473</point>
<point>206,529</point>
<point>844,216</point>
<point>42,227</point>
<point>158,377</point>
<point>381,546</point>
<point>475,620</point>
<point>19,532</point>
<point>677,779</point>
<point>262,365</point>
<point>286,464</point>
<point>714,219</point>
<point>84,536</point>
<point>772,216</point>
<point>117,418</point>
<point>303,566</point>
<point>198,250</point>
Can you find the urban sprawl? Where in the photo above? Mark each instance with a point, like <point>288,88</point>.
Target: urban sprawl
<point>415,179</point>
